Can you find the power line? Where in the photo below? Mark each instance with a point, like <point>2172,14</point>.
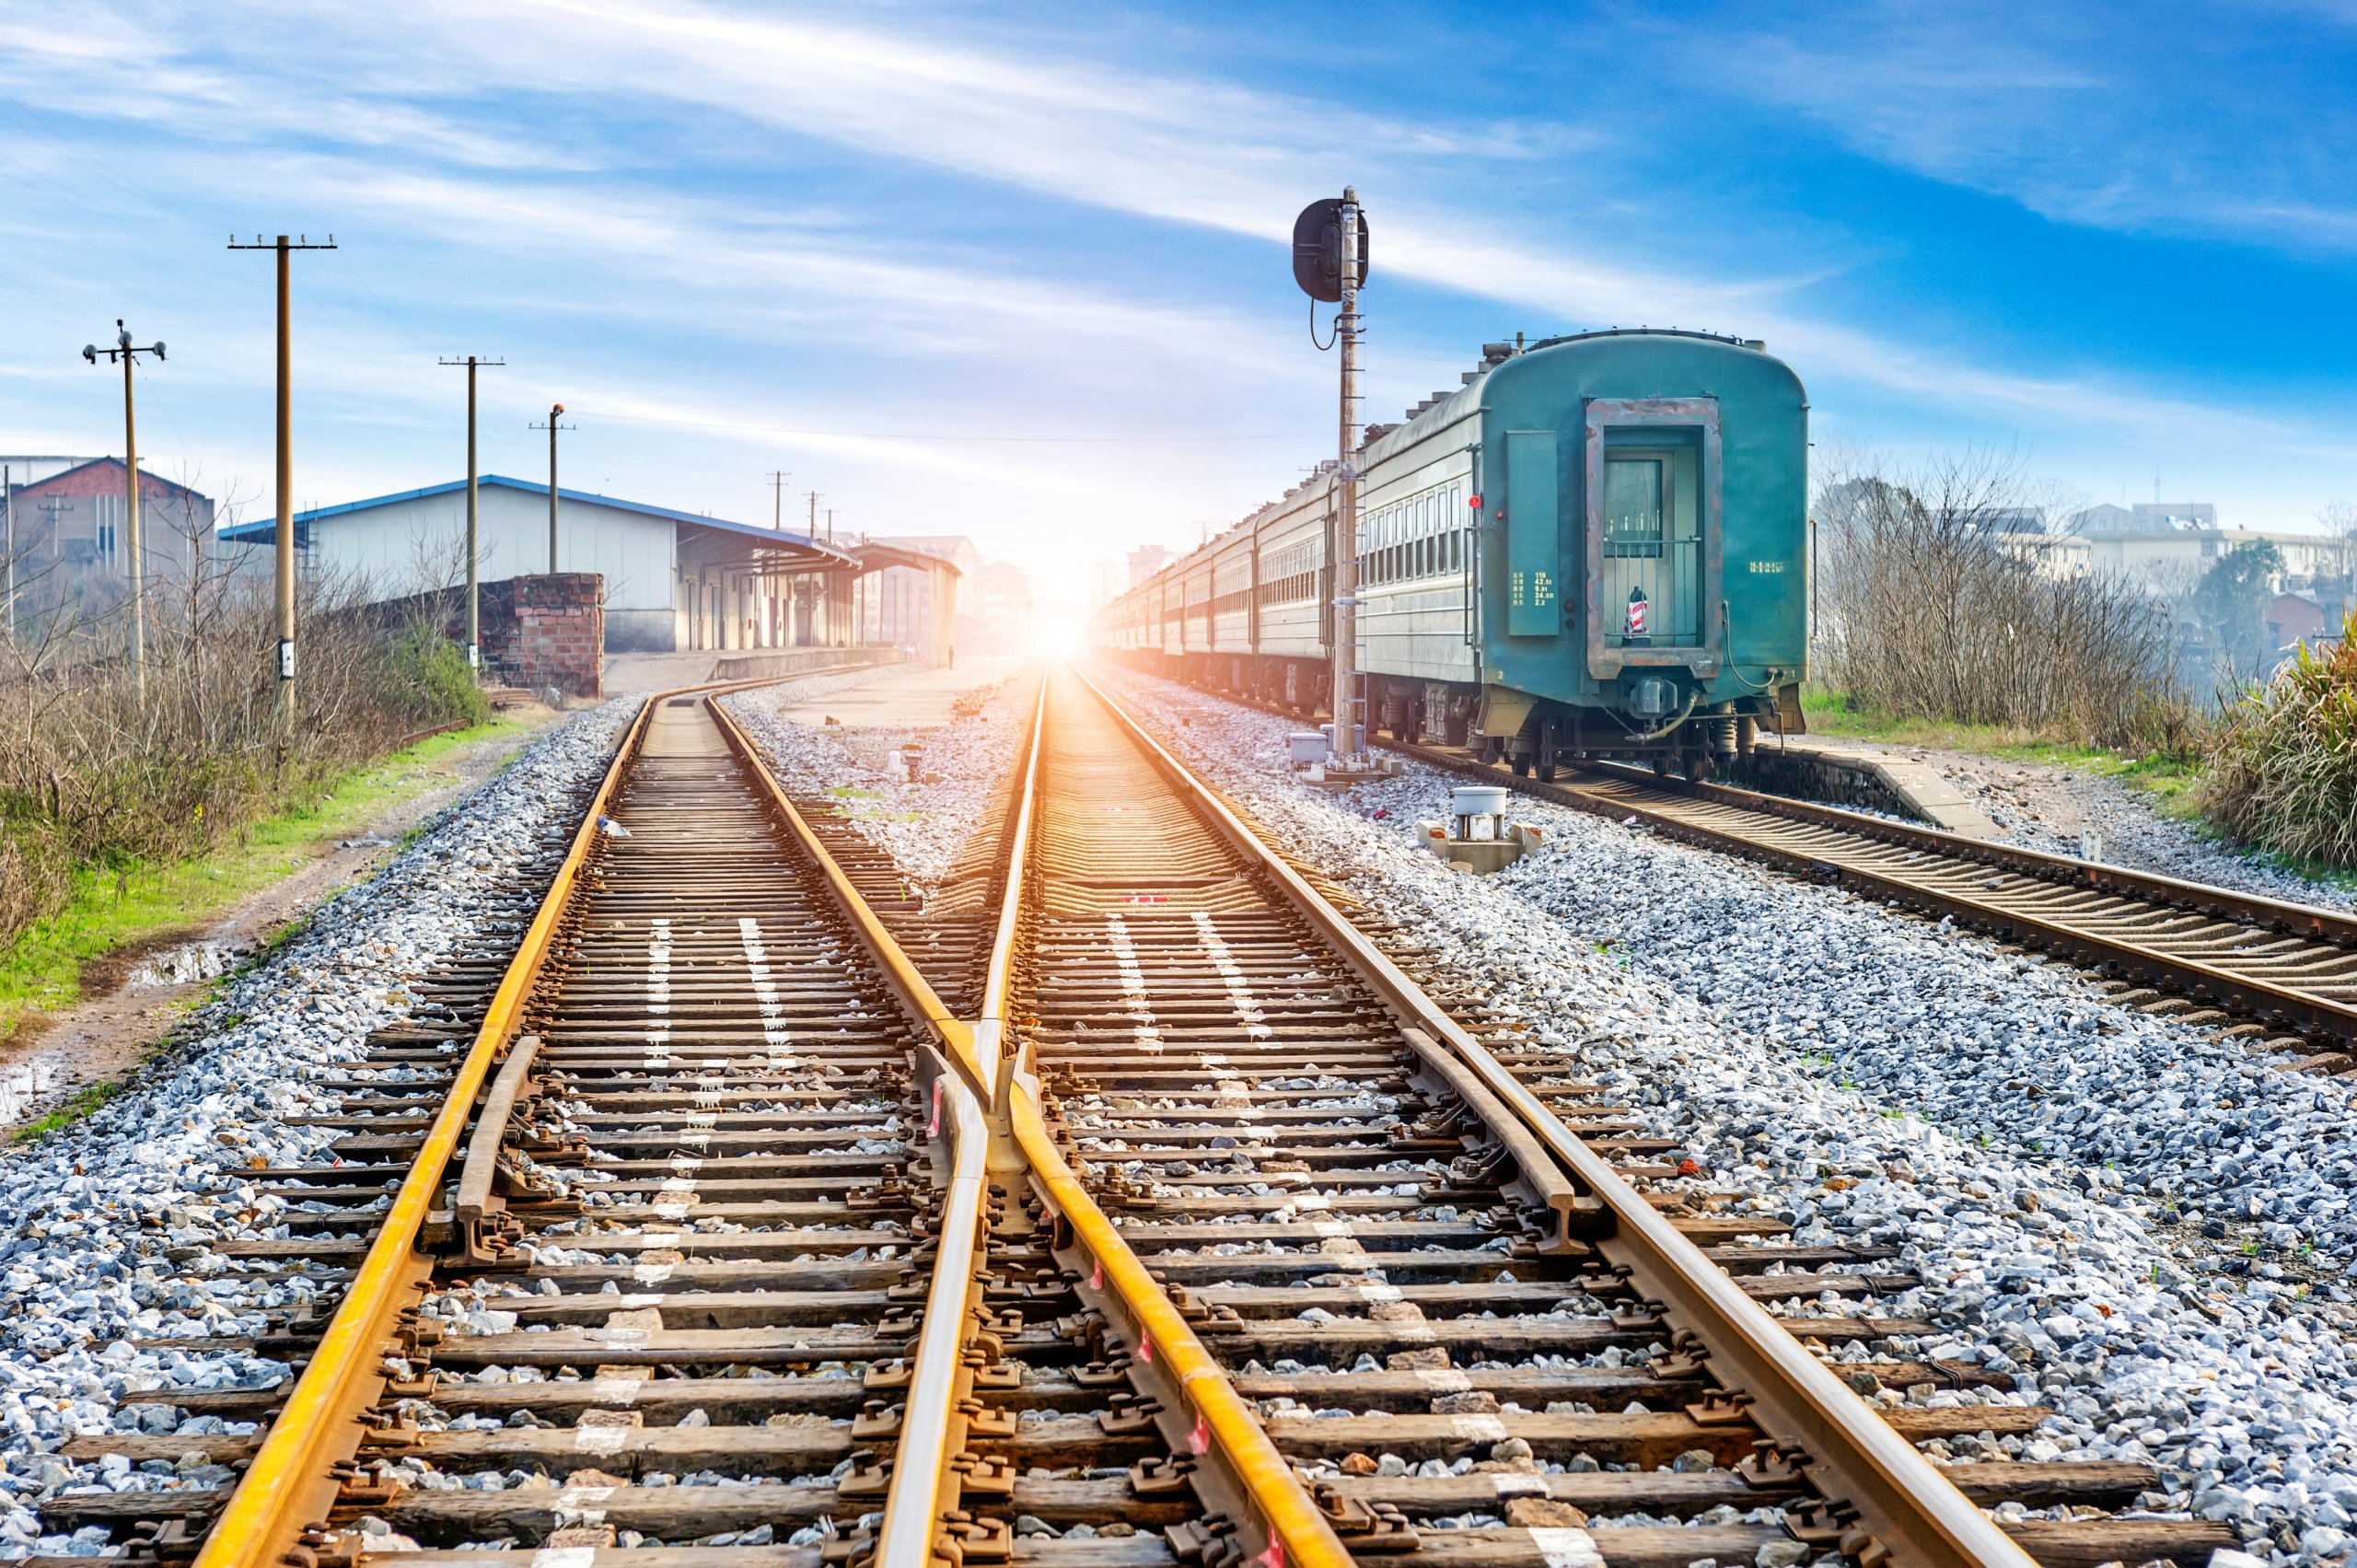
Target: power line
<point>910,435</point>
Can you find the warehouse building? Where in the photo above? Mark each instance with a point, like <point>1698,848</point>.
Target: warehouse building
<point>674,581</point>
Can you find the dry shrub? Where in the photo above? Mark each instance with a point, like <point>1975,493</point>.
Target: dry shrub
<point>2283,763</point>
<point>1932,607</point>
<point>93,774</point>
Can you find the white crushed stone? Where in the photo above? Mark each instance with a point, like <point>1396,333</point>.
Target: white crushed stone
<point>1711,995</point>
<point>922,826</point>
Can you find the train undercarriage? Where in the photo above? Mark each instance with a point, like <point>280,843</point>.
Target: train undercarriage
<point>1533,737</point>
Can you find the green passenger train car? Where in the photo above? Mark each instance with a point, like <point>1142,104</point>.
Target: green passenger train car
<point>1597,547</point>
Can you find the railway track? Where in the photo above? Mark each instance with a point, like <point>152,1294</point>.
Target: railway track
<point>1473,1305</point>
<point>2283,973</point>
<point>1192,1231</point>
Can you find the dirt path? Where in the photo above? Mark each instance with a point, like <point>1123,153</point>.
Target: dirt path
<point>135,998</point>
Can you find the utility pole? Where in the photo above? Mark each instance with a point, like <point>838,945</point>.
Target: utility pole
<point>551,427</point>
<point>124,352</point>
<point>283,537</point>
<point>801,598</point>
<point>777,478</point>
<point>8,562</point>
<point>1350,706</point>
<point>474,518</point>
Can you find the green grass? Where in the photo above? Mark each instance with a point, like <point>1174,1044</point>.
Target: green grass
<point>42,968</point>
<point>80,1106</point>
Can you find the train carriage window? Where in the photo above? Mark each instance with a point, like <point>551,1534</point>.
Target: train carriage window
<point>1651,565</point>
<point>1635,505</point>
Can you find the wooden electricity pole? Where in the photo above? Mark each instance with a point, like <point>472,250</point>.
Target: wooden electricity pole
<point>555,411</point>
<point>474,517</point>
<point>283,537</point>
<point>124,352</point>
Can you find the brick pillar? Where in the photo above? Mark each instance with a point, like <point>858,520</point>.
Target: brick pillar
<point>560,633</point>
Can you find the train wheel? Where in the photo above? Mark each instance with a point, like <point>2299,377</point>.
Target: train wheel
<point>1547,772</point>
<point>1522,767</point>
<point>1661,764</point>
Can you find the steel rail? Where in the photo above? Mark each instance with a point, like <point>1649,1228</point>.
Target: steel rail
<point>2151,887</point>
<point>1297,1533</point>
<point>289,1483</point>
<point>2269,1001</point>
<point>924,1486</point>
<point>955,1035</point>
<point>2252,996</point>
<point>932,1423</point>
<point>1848,1452</point>
<point>990,1029</point>
<point>1229,1434</point>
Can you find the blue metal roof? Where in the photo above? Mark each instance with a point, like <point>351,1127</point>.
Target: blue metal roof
<point>266,530</point>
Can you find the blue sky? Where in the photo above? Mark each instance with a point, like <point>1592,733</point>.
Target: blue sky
<point>1019,272</point>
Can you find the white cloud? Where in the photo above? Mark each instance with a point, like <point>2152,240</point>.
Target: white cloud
<point>389,116</point>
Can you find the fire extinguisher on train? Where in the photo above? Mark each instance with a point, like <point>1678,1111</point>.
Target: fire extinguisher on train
<point>1637,611</point>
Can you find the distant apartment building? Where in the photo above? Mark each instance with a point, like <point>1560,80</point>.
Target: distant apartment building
<point>1145,561</point>
<point>2020,532</point>
<point>999,596</point>
<point>2167,545</point>
<point>70,533</point>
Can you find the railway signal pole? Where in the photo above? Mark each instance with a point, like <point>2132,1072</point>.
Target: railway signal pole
<point>283,536</point>
<point>474,517</point>
<point>1349,701</point>
<point>124,352</point>
<point>555,411</point>
<point>1329,263</point>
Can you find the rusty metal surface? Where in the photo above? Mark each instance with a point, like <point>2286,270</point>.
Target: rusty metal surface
<point>1253,1073</point>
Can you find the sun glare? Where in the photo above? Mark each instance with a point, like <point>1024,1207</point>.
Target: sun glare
<point>1055,637</point>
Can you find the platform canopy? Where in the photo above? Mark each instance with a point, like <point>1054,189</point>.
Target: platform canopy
<point>875,555</point>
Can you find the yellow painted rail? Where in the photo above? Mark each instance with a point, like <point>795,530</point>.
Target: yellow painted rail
<point>1300,1534</point>
<point>288,1484</point>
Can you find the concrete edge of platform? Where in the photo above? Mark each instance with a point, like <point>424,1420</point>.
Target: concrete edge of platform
<point>1850,776</point>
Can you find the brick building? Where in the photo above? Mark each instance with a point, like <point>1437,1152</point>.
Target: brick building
<point>72,531</point>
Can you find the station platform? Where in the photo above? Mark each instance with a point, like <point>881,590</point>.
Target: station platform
<point>906,696</point>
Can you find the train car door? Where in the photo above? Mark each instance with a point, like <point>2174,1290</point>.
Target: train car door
<point>1652,530</point>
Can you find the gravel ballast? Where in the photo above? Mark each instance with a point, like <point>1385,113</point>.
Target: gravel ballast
<point>1879,1080</point>
<point>922,825</point>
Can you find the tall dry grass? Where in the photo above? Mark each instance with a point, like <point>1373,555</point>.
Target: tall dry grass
<point>1931,606</point>
<point>2284,764</point>
<point>96,776</point>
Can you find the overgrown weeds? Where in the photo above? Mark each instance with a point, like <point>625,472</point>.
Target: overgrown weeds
<point>102,773</point>
<point>1945,599</point>
<point>2284,768</point>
